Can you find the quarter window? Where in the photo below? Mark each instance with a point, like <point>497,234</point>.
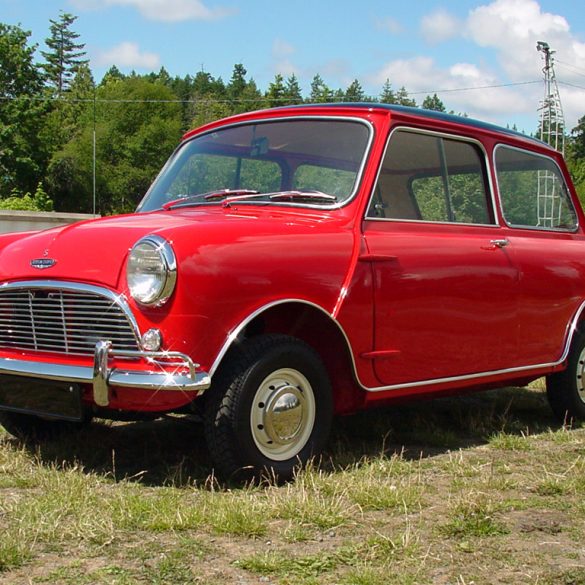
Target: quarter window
<point>432,178</point>
<point>533,191</point>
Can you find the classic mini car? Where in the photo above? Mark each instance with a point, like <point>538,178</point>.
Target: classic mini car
<point>296,263</point>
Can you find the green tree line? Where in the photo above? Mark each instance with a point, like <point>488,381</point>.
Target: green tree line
<point>55,120</point>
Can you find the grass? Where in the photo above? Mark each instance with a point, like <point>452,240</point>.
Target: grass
<point>483,489</point>
<point>473,516</point>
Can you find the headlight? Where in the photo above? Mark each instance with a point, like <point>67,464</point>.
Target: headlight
<point>151,271</point>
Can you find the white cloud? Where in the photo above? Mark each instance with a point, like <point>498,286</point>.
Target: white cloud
<point>513,27</point>
<point>502,21</point>
<point>281,56</point>
<point>282,49</point>
<point>127,55</point>
<point>162,10</point>
<point>439,26</point>
<point>422,76</point>
<point>390,25</point>
<point>510,29</point>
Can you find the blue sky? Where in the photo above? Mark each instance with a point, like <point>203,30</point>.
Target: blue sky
<point>449,47</point>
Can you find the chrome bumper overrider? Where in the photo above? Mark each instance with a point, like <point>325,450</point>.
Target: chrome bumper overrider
<point>171,375</point>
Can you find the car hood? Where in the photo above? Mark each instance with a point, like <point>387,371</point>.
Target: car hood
<point>95,251</point>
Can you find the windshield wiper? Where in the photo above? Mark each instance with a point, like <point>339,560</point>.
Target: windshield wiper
<point>207,196</point>
<point>282,196</point>
<point>302,196</point>
<point>230,196</point>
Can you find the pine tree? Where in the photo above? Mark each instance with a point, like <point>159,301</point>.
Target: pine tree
<point>111,75</point>
<point>402,98</point>
<point>433,103</point>
<point>237,83</point>
<point>275,94</point>
<point>64,56</point>
<point>292,91</point>
<point>209,101</point>
<point>387,96</point>
<point>320,93</point>
<point>240,92</point>
<point>354,93</point>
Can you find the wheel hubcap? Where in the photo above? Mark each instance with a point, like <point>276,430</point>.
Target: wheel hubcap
<point>580,376</point>
<point>283,414</point>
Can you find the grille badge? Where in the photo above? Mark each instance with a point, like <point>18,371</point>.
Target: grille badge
<point>42,263</point>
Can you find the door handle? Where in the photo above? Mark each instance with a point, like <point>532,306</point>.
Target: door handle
<point>496,244</point>
<point>500,243</point>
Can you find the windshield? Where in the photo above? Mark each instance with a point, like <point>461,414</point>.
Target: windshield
<point>315,162</point>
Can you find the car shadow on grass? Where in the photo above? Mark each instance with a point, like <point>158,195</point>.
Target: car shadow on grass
<point>430,427</point>
<point>171,451</point>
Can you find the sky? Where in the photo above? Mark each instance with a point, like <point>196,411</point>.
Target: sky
<point>478,56</point>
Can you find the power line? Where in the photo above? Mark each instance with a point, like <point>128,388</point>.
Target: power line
<point>495,86</point>
<point>260,99</point>
<point>571,85</point>
<point>570,66</point>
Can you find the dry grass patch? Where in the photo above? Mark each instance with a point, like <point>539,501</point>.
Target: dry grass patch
<point>450,491</point>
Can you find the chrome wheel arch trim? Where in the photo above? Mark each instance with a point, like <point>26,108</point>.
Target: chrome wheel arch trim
<point>570,332</point>
<point>232,337</point>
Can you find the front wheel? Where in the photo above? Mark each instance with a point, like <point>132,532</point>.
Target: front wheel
<point>269,408</point>
<point>566,390</point>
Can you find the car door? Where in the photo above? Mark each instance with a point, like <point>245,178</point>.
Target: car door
<point>547,246</point>
<point>445,285</point>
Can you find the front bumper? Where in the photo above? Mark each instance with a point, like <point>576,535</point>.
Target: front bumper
<point>176,371</point>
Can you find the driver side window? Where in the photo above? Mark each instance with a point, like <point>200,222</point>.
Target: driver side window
<point>425,177</point>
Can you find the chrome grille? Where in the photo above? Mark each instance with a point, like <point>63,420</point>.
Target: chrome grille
<point>63,320</point>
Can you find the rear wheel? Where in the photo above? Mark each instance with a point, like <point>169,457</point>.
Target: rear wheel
<point>28,427</point>
<point>269,409</point>
<point>566,389</point>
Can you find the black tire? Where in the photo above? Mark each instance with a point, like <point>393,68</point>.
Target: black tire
<point>566,390</point>
<point>29,428</point>
<point>269,408</point>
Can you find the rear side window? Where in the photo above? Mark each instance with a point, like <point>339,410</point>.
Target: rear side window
<point>432,178</point>
<point>532,191</point>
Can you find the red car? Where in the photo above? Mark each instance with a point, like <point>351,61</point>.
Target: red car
<point>296,263</point>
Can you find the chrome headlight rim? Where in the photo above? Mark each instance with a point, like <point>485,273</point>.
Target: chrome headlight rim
<point>169,262</point>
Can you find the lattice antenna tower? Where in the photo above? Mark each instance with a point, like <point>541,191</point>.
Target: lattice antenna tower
<point>552,131</point>
<point>552,119</point>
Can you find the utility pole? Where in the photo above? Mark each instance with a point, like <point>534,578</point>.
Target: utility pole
<point>552,120</point>
<point>552,131</point>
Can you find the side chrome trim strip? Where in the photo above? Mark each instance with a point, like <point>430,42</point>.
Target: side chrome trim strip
<point>570,332</point>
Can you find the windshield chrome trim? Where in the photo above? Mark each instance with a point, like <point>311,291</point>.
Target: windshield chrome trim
<point>288,118</point>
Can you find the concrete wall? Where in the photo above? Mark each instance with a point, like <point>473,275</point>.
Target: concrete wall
<point>23,221</point>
